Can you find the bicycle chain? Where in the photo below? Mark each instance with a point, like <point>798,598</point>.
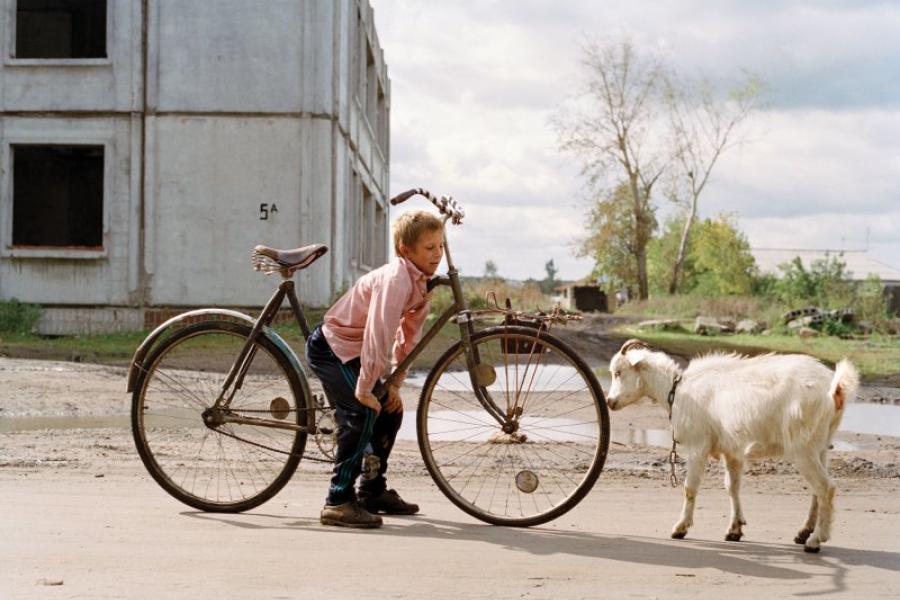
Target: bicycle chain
<point>270,448</point>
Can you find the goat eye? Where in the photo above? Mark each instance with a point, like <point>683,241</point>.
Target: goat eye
<point>617,374</point>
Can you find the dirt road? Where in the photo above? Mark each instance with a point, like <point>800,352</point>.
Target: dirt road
<point>80,518</point>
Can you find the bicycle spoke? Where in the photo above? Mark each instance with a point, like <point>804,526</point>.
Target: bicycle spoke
<point>552,442</point>
<point>233,466</point>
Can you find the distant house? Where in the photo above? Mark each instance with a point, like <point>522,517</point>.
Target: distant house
<point>859,264</point>
<point>147,146</point>
<point>584,296</point>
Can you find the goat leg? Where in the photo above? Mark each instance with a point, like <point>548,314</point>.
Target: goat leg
<point>734,467</point>
<point>804,533</point>
<point>695,468</point>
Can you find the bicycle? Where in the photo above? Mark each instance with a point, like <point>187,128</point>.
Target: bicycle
<point>511,423</point>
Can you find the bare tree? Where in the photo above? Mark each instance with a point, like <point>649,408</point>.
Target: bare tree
<point>703,128</point>
<point>610,130</point>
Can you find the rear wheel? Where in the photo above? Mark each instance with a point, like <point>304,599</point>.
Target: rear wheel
<point>221,467</point>
<point>543,454</point>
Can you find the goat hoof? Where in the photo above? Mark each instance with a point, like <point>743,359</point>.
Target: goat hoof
<point>733,537</point>
<point>811,549</point>
<point>802,536</point>
<point>678,535</point>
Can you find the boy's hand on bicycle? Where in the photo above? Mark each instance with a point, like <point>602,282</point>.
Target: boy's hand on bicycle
<point>394,402</point>
<point>369,400</point>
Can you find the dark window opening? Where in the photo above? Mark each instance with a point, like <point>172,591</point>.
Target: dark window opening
<point>61,29</point>
<point>58,196</point>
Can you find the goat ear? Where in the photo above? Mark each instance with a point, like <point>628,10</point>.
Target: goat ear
<point>636,355</point>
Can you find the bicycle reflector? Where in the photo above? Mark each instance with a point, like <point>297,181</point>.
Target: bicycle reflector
<point>280,408</point>
<point>527,481</point>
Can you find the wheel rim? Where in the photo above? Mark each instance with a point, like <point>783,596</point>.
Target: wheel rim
<point>551,449</point>
<point>206,466</point>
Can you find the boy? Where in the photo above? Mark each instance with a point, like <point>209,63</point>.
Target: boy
<point>352,347</point>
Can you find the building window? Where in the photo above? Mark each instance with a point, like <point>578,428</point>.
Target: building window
<point>60,29</point>
<point>57,196</point>
<point>372,86</point>
<point>352,208</point>
<point>380,235</point>
<point>381,112</point>
<point>357,79</point>
<point>369,258</point>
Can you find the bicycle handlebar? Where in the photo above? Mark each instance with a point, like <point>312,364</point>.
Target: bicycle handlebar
<point>446,204</point>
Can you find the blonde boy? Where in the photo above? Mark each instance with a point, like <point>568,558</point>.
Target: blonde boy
<point>375,324</point>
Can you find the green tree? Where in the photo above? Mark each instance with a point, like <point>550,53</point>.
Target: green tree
<point>490,270</point>
<point>723,263</point>
<point>611,239</point>
<point>703,127</point>
<point>660,254</point>
<point>609,130</point>
<point>717,260</point>
<point>549,282</point>
<point>825,283</point>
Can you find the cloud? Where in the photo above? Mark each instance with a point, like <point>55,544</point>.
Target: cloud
<point>520,240</point>
<point>811,162</point>
<point>474,83</point>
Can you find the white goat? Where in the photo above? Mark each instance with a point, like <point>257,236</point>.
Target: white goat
<point>736,407</point>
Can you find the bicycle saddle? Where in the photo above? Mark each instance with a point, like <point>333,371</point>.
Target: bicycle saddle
<point>292,260</point>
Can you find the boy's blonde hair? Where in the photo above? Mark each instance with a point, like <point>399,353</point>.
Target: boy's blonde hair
<point>413,224</point>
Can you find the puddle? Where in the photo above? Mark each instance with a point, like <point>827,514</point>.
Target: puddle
<point>662,438</point>
<point>875,419</point>
<point>9,424</point>
<point>445,425</point>
<point>872,419</point>
<point>865,418</point>
<point>545,377</point>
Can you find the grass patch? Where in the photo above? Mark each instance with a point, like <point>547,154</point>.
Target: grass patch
<point>117,348</point>
<point>877,357</point>
<point>110,349</point>
<point>688,307</point>
<point>18,317</point>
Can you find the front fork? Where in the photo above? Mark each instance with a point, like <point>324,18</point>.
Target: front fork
<point>476,373</point>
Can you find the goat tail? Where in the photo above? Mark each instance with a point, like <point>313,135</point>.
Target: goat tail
<point>844,384</point>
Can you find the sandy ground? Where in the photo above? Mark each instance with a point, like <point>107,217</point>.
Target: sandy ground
<point>81,518</point>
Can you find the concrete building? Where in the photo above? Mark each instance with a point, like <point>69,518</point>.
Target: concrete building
<point>147,145</point>
<point>584,296</point>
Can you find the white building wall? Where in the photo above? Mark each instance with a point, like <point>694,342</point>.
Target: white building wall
<point>211,176</point>
<point>247,103</point>
<point>245,57</point>
<point>61,275</point>
<point>86,85</point>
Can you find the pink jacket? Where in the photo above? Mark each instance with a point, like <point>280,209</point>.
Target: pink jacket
<point>386,307</point>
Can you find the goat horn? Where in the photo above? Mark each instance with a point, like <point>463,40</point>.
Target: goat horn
<point>633,344</point>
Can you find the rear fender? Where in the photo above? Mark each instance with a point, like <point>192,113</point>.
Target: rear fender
<point>174,324</point>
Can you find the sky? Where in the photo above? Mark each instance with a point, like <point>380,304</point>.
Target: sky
<point>474,84</point>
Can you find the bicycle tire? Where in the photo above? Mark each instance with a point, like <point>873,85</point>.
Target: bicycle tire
<point>164,426</point>
<point>552,453</point>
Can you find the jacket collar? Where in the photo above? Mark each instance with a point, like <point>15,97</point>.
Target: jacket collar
<point>414,272</point>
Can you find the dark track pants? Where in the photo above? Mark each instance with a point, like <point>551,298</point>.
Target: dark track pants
<point>360,431</point>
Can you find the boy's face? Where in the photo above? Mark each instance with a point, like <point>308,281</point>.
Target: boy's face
<point>427,252</point>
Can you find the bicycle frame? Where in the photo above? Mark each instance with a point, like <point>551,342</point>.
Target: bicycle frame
<point>287,290</point>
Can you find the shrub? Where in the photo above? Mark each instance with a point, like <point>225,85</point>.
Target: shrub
<point>834,327</point>
<point>827,285</point>
<point>527,296</point>
<point>18,317</point>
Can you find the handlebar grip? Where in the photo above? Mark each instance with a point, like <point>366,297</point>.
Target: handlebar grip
<point>404,196</point>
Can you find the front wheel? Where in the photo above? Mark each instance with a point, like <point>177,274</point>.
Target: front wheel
<point>543,453</point>
<point>210,465</point>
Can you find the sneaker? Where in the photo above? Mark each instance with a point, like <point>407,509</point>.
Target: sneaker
<point>388,502</point>
<point>349,514</point>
